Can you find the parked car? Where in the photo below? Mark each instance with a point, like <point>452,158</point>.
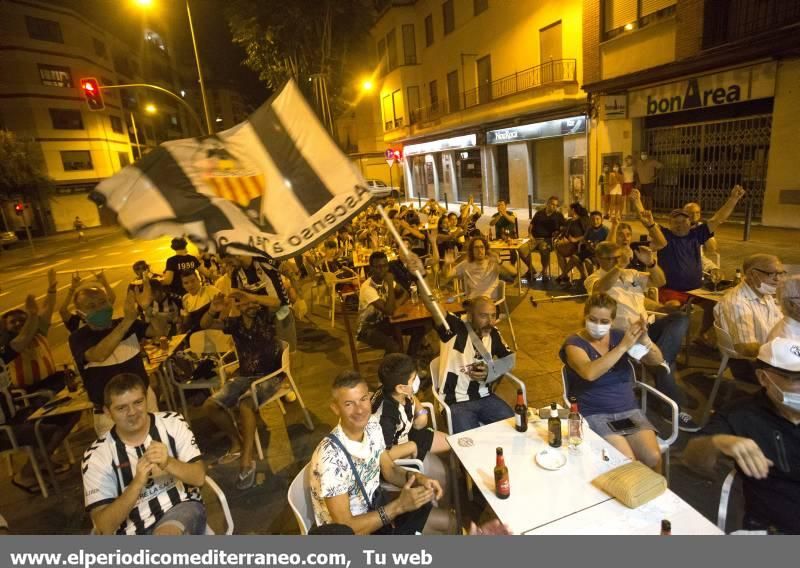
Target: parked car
<point>7,239</point>
<point>380,189</point>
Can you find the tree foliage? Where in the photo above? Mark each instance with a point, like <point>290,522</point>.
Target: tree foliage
<point>20,164</point>
<point>301,38</point>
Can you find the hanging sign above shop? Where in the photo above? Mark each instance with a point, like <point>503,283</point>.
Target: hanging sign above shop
<point>734,86</point>
<point>614,106</point>
<point>548,129</point>
<point>455,143</point>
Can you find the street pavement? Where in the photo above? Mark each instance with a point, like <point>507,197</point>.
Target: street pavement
<point>322,353</point>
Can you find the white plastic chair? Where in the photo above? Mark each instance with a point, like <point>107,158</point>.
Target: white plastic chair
<point>207,342</point>
<point>725,498</point>
<point>223,502</point>
<point>727,351</point>
<point>446,407</point>
<point>331,280</point>
<point>501,301</point>
<point>663,444</point>
<point>299,496</point>
<point>286,369</point>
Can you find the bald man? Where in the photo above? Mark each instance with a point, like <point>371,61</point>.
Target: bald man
<point>748,312</point>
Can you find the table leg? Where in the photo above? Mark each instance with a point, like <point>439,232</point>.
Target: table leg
<point>47,463</point>
<point>519,272</point>
<point>351,340</point>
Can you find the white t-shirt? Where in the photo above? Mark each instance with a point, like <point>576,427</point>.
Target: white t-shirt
<point>104,479</point>
<point>369,315</point>
<point>194,302</point>
<point>629,291</point>
<point>787,328</point>
<point>331,474</point>
<point>481,278</point>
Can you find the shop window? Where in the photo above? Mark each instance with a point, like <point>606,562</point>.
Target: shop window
<point>76,160</point>
<point>66,119</point>
<point>99,47</point>
<point>55,75</point>
<point>479,6</point>
<point>116,124</point>
<point>45,30</point>
<point>429,30</point>
<point>409,45</point>
<point>449,16</point>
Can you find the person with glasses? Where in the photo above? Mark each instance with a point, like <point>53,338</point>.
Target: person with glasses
<point>789,301</point>
<point>748,311</point>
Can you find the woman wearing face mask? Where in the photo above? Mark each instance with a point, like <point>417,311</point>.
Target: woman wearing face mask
<point>600,376</point>
<point>404,420</point>
<point>614,189</point>
<point>789,301</point>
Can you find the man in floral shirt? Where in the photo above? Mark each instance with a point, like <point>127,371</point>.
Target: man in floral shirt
<point>340,497</point>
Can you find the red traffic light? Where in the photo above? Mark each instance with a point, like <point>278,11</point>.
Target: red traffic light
<point>19,208</point>
<point>92,93</point>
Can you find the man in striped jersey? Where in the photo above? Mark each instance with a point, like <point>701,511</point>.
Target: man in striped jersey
<point>143,477</point>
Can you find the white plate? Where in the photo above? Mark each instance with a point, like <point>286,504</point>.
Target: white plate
<point>551,459</point>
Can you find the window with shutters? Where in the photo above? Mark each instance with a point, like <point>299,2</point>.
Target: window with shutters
<point>409,45</point>
<point>433,92</point>
<point>391,49</point>
<point>45,30</point>
<point>429,30</point>
<point>55,75</point>
<point>75,160</point>
<point>382,55</point>
<point>449,16</point>
<point>621,16</point>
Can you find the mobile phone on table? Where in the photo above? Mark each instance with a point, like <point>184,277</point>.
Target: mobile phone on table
<point>621,425</point>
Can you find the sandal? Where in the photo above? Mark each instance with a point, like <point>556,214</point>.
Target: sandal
<point>230,457</point>
<point>246,478</point>
<point>30,489</point>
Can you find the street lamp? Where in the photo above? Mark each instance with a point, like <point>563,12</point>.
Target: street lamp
<point>147,4</point>
<point>367,85</point>
<point>150,108</point>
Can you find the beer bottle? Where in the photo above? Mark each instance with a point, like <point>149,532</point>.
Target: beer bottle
<point>521,413</point>
<point>502,487</point>
<point>574,424</point>
<point>666,528</point>
<point>554,426</point>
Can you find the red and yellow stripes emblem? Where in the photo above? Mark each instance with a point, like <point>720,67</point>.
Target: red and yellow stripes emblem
<point>239,189</point>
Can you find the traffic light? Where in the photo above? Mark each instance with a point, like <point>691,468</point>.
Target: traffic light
<point>19,208</point>
<point>92,93</point>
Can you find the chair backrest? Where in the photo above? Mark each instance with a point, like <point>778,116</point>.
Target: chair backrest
<point>223,501</point>
<point>286,357</point>
<point>564,385</point>
<point>435,374</point>
<point>725,343</point>
<point>210,341</point>
<point>299,496</point>
<point>730,503</point>
<point>7,408</point>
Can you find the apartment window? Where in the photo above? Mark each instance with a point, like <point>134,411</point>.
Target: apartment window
<point>429,30</point>
<point>116,124</point>
<point>382,55</point>
<point>45,30</point>
<point>452,91</point>
<point>388,113</point>
<point>124,159</point>
<point>620,16</point>
<point>55,75</point>
<point>109,94</point>
<point>75,160</point>
<point>479,6</point>
<point>398,109</point>
<point>66,119</point>
<point>449,16</point>
<point>391,48</point>
<point>433,92</point>
<point>409,45</point>
<point>413,104</point>
<point>99,47</point>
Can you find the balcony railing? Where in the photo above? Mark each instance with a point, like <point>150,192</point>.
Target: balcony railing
<point>731,20</point>
<point>555,71</point>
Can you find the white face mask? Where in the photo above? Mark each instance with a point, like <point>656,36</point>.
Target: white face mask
<point>778,396</point>
<point>597,330</point>
<point>767,289</point>
<point>415,385</point>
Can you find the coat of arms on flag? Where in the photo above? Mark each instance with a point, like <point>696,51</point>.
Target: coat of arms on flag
<point>275,184</point>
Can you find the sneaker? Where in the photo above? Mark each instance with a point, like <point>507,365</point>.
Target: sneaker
<point>246,478</point>
<point>686,423</point>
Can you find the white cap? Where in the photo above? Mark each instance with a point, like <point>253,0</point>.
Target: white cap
<point>781,353</point>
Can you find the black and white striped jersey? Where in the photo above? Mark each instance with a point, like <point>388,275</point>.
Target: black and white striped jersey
<point>109,466</point>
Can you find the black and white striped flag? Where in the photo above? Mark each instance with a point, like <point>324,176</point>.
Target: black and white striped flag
<point>276,184</point>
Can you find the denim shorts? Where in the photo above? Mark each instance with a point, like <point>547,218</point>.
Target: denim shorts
<point>599,423</point>
<point>188,516</point>
<point>238,388</point>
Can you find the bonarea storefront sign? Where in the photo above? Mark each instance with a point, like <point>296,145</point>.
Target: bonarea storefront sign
<point>454,143</point>
<point>727,87</point>
<point>547,129</point>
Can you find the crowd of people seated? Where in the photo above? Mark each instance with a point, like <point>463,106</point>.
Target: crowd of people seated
<point>143,474</point>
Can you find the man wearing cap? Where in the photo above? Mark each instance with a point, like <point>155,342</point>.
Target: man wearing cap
<point>762,435</point>
<point>748,311</point>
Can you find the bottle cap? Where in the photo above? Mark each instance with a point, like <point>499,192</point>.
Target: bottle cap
<point>666,525</point>
<point>553,411</point>
<point>499,451</point>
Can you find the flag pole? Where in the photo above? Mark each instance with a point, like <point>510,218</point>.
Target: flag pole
<point>420,278</point>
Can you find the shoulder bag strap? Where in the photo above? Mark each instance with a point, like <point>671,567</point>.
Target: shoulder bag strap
<point>480,348</point>
<point>336,442</point>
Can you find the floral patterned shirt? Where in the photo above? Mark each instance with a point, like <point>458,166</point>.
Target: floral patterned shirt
<point>331,475</point>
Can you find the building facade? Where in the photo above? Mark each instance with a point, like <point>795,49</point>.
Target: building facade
<point>483,97</point>
<point>709,89</point>
<point>45,50</point>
